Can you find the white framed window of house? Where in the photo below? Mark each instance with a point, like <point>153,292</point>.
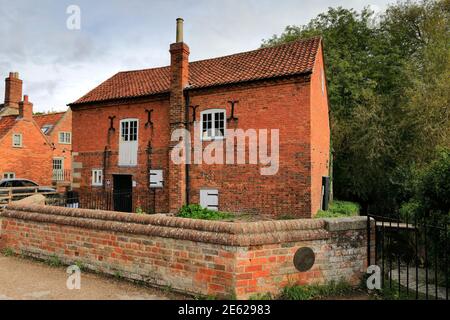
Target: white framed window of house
<point>209,199</point>
<point>17,140</point>
<point>65,137</point>
<point>213,124</point>
<point>9,175</point>
<point>97,177</point>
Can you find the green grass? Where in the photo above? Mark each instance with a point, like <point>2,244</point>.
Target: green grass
<point>261,296</point>
<point>194,211</point>
<point>340,209</point>
<point>205,297</point>
<point>54,261</point>
<point>80,265</point>
<point>316,292</point>
<point>8,252</point>
<point>392,293</point>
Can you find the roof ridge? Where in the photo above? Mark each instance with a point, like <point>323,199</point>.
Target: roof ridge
<point>145,69</point>
<point>48,114</point>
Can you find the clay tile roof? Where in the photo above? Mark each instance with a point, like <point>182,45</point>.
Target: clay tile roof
<point>289,59</point>
<point>50,119</point>
<point>6,124</point>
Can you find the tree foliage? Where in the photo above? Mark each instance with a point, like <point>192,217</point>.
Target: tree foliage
<point>389,93</point>
<point>432,190</point>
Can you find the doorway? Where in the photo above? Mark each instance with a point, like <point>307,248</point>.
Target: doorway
<point>123,193</point>
<point>128,142</point>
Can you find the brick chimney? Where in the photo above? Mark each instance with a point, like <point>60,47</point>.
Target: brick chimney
<point>13,90</point>
<point>179,66</point>
<point>25,109</point>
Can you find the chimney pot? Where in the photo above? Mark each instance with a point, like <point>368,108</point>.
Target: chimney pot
<point>179,30</point>
<point>14,75</point>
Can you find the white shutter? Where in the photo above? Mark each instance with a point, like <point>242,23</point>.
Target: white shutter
<point>156,178</point>
<point>209,199</point>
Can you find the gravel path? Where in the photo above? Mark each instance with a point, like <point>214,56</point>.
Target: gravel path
<point>23,279</point>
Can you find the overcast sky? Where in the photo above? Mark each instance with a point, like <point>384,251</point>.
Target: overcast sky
<point>59,65</point>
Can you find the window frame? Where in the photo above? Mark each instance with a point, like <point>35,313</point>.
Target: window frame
<point>21,140</point>
<point>65,133</point>
<point>9,174</point>
<point>58,159</point>
<point>128,134</point>
<point>99,181</point>
<point>213,112</point>
<point>46,128</point>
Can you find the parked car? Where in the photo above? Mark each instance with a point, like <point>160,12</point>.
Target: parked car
<point>22,188</point>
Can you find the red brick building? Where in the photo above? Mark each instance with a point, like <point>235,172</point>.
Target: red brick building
<point>58,129</point>
<point>122,130</point>
<point>31,145</point>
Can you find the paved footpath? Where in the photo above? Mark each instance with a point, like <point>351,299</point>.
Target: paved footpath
<point>30,280</point>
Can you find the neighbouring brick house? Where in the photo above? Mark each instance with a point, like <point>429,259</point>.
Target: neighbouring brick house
<point>27,148</point>
<point>122,130</point>
<point>58,129</point>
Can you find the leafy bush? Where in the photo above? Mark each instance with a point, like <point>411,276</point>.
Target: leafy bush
<point>311,292</point>
<point>431,191</point>
<point>195,211</point>
<point>339,209</point>
<point>140,211</point>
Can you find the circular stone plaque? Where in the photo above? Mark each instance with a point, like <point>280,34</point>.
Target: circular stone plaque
<point>304,259</point>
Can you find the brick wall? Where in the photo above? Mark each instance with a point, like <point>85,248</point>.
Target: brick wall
<point>283,105</point>
<point>242,188</point>
<point>192,256</point>
<point>90,145</point>
<point>320,132</point>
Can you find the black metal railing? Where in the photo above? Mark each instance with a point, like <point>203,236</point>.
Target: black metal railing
<point>412,255</point>
<point>122,201</point>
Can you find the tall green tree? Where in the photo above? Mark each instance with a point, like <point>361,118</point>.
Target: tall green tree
<point>388,91</point>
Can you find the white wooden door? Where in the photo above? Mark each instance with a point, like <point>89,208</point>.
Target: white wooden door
<point>128,143</point>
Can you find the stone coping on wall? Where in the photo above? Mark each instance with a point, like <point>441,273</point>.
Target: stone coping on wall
<point>239,234</point>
